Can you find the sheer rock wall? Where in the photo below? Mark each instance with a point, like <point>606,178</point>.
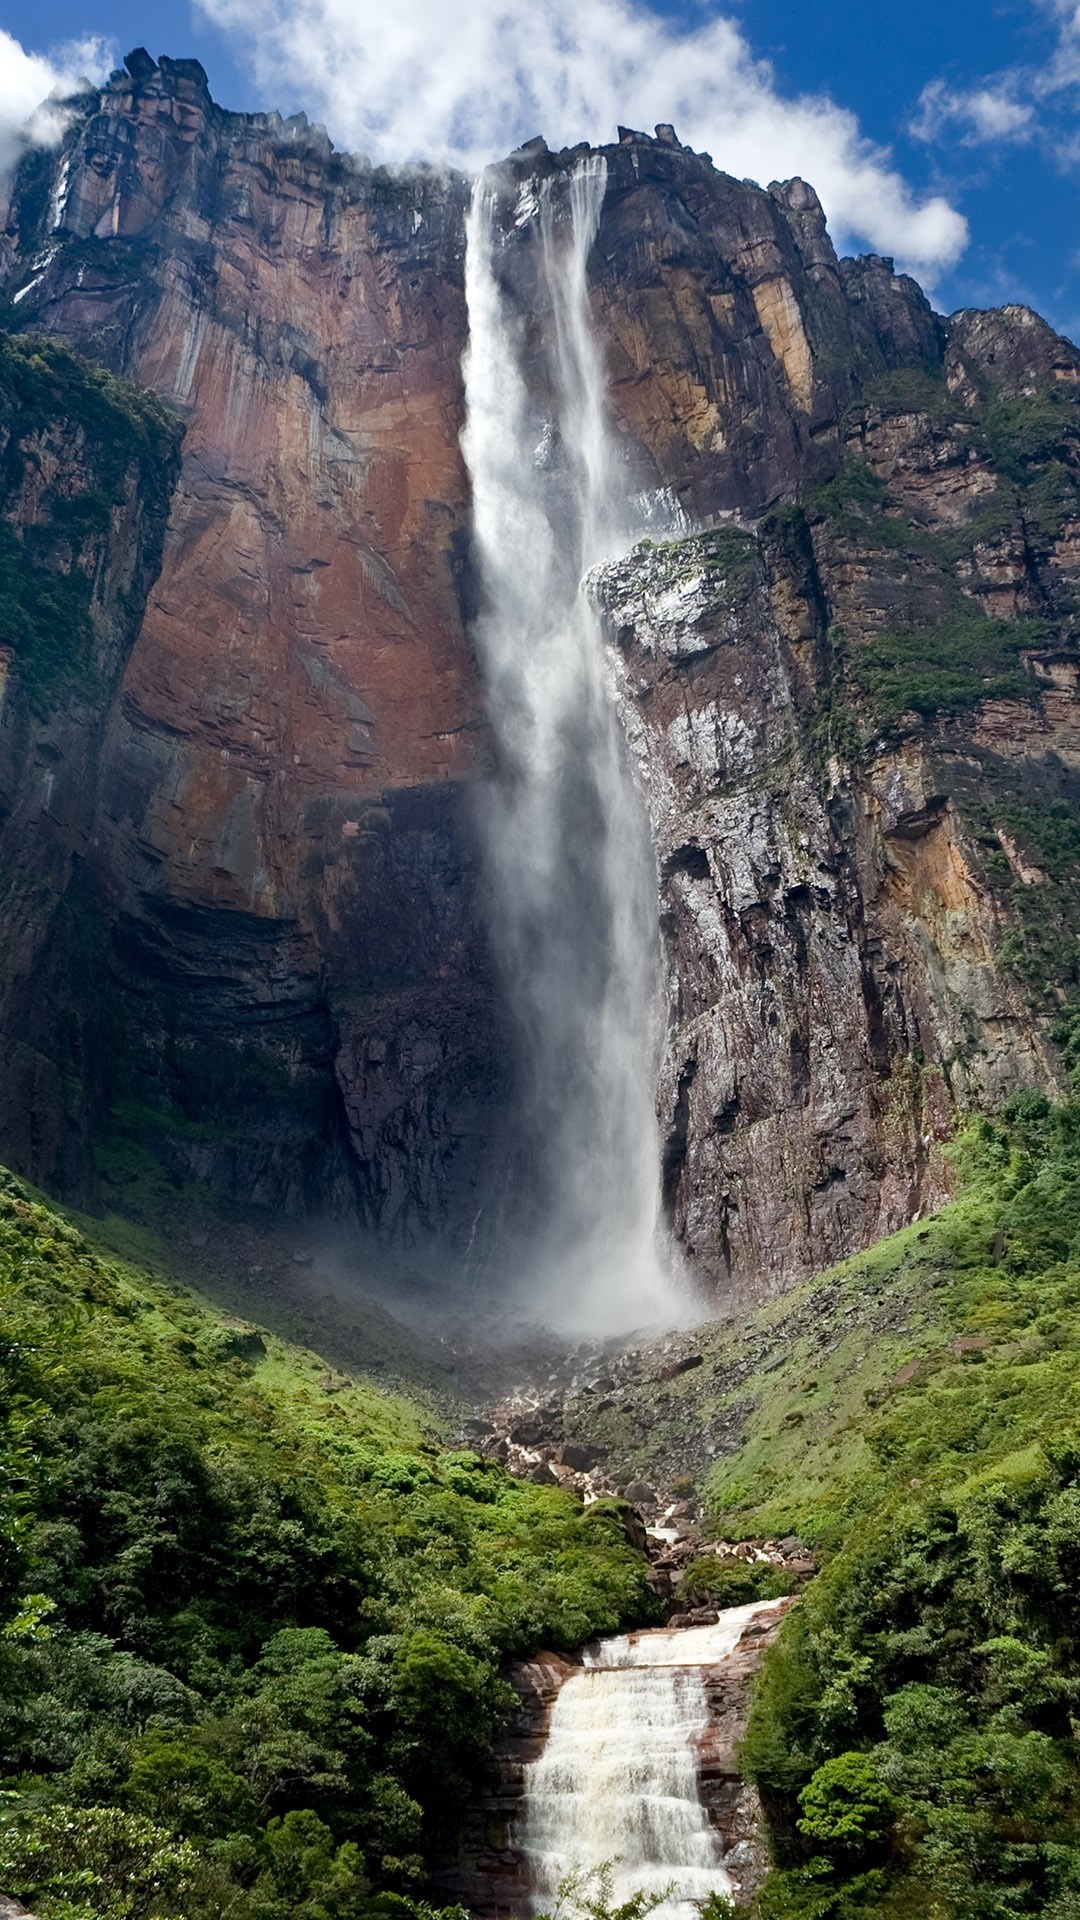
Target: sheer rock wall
<point>284,794</point>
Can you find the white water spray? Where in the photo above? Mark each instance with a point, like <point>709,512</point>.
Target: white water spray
<point>569,849</point>
<point>618,1777</point>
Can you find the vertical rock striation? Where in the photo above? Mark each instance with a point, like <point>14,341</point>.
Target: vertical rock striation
<point>86,470</point>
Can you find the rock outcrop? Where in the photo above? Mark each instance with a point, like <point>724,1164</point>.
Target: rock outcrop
<point>852,699</point>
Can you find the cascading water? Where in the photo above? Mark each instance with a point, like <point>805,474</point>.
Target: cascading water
<point>618,1777</point>
<point>568,843</point>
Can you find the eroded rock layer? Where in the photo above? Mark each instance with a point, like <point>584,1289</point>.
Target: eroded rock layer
<point>852,699</point>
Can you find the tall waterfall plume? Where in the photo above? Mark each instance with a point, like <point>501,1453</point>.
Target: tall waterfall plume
<point>573,878</point>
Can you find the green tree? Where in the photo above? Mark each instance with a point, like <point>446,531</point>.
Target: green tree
<point>308,1877</point>
<point>117,1865</point>
<point>181,1783</point>
<point>846,1806</point>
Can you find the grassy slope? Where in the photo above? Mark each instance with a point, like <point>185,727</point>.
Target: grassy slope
<point>941,1349</point>
<point>251,1632</point>
<point>772,1425</point>
<point>947,1344</point>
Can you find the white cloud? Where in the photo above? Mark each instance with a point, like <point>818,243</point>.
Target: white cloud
<point>1024,103</point>
<point>463,81</point>
<point>986,114</point>
<point>1063,70</point>
<point>32,86</point>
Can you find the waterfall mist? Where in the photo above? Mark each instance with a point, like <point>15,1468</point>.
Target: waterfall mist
<point>570,858</point>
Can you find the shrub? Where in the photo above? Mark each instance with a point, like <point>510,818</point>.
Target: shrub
<point>846,1808</point>
<point>731,1583</point>
<point>1029,429</point>
<point>946,665</point>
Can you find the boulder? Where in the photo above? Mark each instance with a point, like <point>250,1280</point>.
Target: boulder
<point>528,1430</point>
<point>676,1368</point>
<point>640,1494</point>
<point>579,1456</point>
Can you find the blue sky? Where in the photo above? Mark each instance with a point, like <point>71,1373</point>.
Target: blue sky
<point>911,120</point>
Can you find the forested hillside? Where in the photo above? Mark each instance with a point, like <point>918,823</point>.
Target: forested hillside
<point>253,1628</point>
<point>915,1734</point>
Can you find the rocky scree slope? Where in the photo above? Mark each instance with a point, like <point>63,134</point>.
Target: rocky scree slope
<point>854,715</point>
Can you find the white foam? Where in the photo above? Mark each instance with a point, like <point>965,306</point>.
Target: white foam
<point>618,1777</point>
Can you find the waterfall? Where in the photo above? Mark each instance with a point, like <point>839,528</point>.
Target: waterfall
<point>571,866</point>
<point>618,1777</point>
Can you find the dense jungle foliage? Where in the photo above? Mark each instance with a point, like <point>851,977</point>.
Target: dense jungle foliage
<point>915,1732</point>
<point>251,1631</point>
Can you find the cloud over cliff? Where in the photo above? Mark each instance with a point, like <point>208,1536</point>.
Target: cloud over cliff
<point>33,84</point>
<point>464,84</point>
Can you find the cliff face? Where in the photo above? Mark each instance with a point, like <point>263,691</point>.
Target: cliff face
<point>86,471</point>
<point>854,716</point>
<point>306,1011</point>
<point>857,729</point>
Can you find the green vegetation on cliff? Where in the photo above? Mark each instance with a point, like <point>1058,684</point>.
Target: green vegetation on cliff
<point>945,666</point>
<point>942,647</point>
<point>251,1631</point>
<point>89,445</point>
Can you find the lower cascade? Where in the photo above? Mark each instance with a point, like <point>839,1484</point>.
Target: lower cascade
<point>618,1778</point>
